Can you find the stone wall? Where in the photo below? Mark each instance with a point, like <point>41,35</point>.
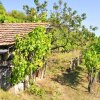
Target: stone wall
<point>5,74</point>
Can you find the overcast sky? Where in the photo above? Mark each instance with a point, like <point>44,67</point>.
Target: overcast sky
<point>90,7</point>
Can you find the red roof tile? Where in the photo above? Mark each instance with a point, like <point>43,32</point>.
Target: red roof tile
<point>8,31</point>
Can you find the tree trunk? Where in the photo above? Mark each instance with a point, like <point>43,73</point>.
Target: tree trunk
<point>42,73</point>
<point>92,81</point>
<point>78,61</point>
<point>45,67</point>
<point>34,77</point>
<point>31,75</point>
<point>26,82</point>
<point>98,76</point>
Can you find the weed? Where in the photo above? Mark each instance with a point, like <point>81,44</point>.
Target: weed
<point>36,90</point>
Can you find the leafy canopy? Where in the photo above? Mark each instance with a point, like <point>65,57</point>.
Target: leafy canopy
<point>30,52</point>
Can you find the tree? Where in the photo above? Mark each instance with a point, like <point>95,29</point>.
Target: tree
<point>2,9</point>
<point>14,16</point>
<point>66,27</point>
<point>38,13</point>
<point>18,15</point>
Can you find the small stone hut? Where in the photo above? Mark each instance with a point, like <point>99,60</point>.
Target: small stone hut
<point>8,32</point>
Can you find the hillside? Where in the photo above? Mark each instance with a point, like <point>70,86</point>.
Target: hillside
<point>58,84</point>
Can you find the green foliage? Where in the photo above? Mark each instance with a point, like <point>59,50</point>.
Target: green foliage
<point>92,56</point>
<point>2,9</point>
<point>67,30</point>
<point>12,17</point>
<point>92,62</point>
<point>8,19</point>
<point>30,52</point>
<point>18,15</point>
<point>34,89</point>
<point>36,14</point>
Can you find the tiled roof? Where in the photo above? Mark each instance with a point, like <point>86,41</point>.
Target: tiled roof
<point>8,31</point>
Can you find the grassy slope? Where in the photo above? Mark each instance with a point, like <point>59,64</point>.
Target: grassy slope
<point>58,84</point>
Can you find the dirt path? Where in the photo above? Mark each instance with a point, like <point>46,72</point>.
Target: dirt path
<point>63,92</point>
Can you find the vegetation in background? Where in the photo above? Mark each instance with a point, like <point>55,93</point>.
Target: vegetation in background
<point>66,27</point>
<point>67,34</point>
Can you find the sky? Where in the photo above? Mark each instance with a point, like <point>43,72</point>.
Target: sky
<point>90,7</point>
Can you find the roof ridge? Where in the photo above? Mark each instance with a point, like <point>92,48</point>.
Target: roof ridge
<point>24,23</point>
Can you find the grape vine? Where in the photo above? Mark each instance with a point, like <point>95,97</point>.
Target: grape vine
<point>92,62</point>
<point>30,52</point>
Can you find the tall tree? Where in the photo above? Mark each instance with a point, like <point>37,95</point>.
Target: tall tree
<point>18,15</point>
<point>66,26</point>
<point>2,9</point>
<point>38,13</point>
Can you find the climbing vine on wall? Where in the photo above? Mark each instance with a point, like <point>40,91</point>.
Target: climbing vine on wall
<point>30,52</point>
